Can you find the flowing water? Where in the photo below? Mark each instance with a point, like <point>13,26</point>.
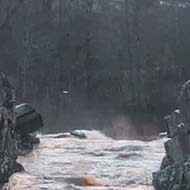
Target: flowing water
<point>95,163</point>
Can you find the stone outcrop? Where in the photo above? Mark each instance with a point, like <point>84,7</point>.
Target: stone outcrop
<point>28,121</point>
<point>174,173</point>
<point>8,148</point>
<point>13,141</point>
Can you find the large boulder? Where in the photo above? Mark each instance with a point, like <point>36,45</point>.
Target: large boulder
<point>28,120</point>
<point>174,173</point>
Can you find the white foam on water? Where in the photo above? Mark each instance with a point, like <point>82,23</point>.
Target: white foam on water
<point>61,163</point>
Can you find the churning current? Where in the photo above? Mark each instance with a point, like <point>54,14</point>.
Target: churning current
<point>95,163</point>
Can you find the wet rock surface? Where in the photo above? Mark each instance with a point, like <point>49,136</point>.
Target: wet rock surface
<point>12,141</point>
<point>28,122</point>
<point>8,148</point>
<point>174,173</point>
<point>76,134</point>
<point>27,143</point>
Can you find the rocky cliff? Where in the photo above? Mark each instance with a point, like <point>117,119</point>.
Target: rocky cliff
<point>8,144</point>
<point>174,173</point>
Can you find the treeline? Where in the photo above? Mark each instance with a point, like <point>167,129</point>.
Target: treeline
<point>74,58</point>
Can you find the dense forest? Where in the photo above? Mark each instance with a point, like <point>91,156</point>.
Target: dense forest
<point>82,62</point>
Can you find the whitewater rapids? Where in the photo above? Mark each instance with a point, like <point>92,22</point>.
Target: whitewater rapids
<point>70,163</point>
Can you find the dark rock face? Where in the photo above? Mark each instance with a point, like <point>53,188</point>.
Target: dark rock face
<point>15,130</point>
<point>27,119</point>
<point>8,148</point>
<point>174,173</point>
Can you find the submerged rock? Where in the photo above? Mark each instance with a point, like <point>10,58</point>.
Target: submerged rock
<point>79,134</point>
<point>174,173</point>
<point>64,135</point>
<point>76,133</point>
<point>82,181</point>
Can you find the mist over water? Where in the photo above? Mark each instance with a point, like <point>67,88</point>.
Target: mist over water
<point>97,162</point>
<point>123,127</point>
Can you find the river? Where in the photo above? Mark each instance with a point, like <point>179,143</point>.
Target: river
<point>95,163</point>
